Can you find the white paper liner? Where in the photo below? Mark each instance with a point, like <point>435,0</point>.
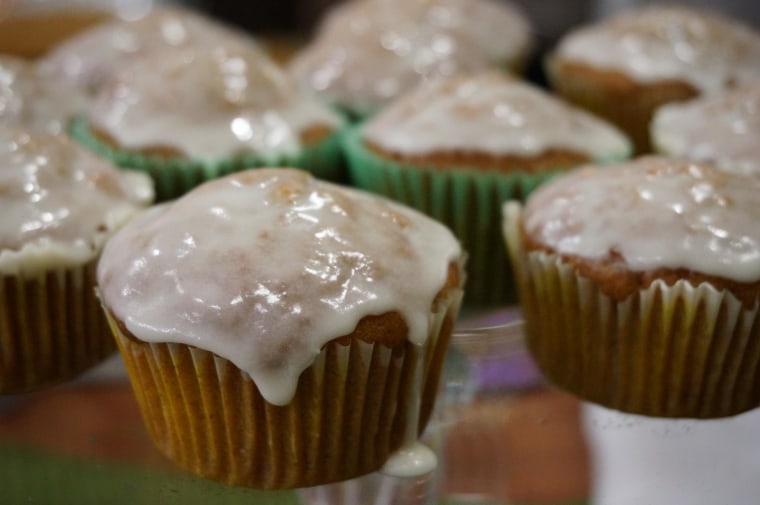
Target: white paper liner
<point>351,409</point>
<point>666,351</point>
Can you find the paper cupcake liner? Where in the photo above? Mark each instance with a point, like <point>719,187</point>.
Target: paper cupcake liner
<point>468,201</point>
<point>666,351</point>
<point>349,413</point>
<point>630,107</point>
<point>174,177</point>
<point>51,328</point>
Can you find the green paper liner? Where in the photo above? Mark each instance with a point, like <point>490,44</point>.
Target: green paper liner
<point>629,107</point>
<point>51,328</point>
<point>351,409</point>
<point>666,351</point>
<point>174,177</point>
<point>467,201</point>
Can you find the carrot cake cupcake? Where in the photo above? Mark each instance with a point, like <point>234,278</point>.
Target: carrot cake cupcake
<point>282,331</point>
<point>640,286</point>
<point>625,67</point>
<point>458,148</point>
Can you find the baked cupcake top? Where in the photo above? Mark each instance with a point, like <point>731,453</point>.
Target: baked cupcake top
<point>89,58</point>
<point>722,129</point>
<point>30,99</point>
<point>207,103</point>
<point>658,43</point>
<point>652,213</point>
<point>264,267</point>
<point>369,51</point>
<point>490,113</point>
<point>60,202</point>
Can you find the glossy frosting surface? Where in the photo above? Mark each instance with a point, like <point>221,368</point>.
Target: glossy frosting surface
<point>207,103</point>
<point>369,51</point>
<point>701,48</point>
<point>493,113</point>
<point>264,267</point>
<point>33,100</point>
<point>723,129</point>
<point>59,202</point>
<point>653,213</point>
<point>91,57</point>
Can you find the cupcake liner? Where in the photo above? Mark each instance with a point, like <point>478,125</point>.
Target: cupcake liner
<point>468,201</point>
<point>625,103</point>
<point>666,351</point>
<point>51,328</point>
<point>349,413</point>
<point>174,177</point>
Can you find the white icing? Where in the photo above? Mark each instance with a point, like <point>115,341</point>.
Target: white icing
<point>89,58</point>
<point>369,51</point>
<point>31,99</point>
<point>59,202</point>
<point>492,113</point>
<point>654,213</point>
<point>412,460</point>
<point>722,129</point>
<point>263,267</point>
<point>669,42</point>
<point>207,103</point>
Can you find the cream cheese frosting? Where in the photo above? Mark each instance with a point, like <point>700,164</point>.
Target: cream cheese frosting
<point>369,51</point>
<point>722,129</point>
<point>208,103</point>
<point>266,266</point>
<point>89,58</point>
<point>701,48</point>
<point>31,99</point>
<point>654,213</point>
<point>59,202</point>
<point>492,113</point>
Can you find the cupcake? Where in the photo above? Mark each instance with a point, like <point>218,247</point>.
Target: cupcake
<point>89,58</point>
<point>640,286</point>
<point>722,129</point>
<point>458,148</point>
<point>625,67</point>
<point>191,114</point>
<point>60,203</point>
<point>281,331</point>
<point>367,52</point>
<point>32,100</point>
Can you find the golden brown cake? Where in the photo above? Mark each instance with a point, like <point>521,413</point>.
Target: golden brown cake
<point>281,331</point>
<point>640,286</point>
<point>458,148</point>
<point>60,203</point>
<point>625,67</point>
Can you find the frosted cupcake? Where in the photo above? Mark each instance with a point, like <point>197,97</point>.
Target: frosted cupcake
<point>188,115</point>
<point>625,67</point>
<point>367,52</point>
<point>722,129</point>
<point>30,99</point>
<point>640,286</point>
<point>282,331</point>
<point>458,148</point>
<point>60,203</point>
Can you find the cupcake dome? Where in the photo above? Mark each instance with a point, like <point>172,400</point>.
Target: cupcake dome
<point>60,203</point>
<point>650,271</point>
<point>187,115</point>
<point>722,129</point>
<point>626,66</point>
<point>458,148</point>
<point>263,297</point>
<point>32,99</point>
<point>367,52</point>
